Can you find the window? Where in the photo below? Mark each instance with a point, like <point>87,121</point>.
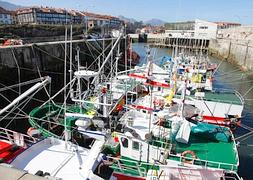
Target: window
<point>5,16</point>
<point>136,145</point>
<point>124,142</point>
<point>203,27</point>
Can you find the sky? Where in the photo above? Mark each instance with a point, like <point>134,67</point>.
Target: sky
<point>167,10</point>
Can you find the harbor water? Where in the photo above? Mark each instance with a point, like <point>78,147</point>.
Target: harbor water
<point>231,77</point>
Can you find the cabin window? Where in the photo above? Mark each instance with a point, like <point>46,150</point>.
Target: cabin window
<point>124,142</point>
<point>136,145</point>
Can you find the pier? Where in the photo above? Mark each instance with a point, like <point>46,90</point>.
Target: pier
<point>163,41</point>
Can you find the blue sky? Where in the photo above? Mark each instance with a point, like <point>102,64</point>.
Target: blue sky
<point>167,10</point>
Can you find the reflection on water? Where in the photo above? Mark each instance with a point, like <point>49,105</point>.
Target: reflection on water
<point>227,77</point>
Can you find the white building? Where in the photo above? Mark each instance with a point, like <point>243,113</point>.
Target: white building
<point>5,16</point>
<point>197,29</point>
<point>205,29</point>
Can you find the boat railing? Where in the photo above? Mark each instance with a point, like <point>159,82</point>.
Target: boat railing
<point>223,101</point>
<point>205,163</point>
<point>141,168</point>
<point>17,138</point>
<point>232,175</point>
<point>161,143</point>
<point>130,165</point>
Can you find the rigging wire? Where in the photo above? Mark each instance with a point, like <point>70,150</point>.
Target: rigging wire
<point>10,102</point>
<point>28,100</point>
<point>16,62</point>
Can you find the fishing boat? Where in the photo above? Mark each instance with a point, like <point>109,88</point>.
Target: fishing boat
<point>218,106</point>
<point>170,141</point>
<point>12,144</point>
<point>92,97</point>
<point>52,157</point>
<point>152,141</point>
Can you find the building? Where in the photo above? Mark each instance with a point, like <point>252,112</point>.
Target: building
<point>205,29</point>
<point>98,20</point>
<point>226,25</point>
<point>46,15</point>
<point>197,29</point>
<point>5,16</point>
<point>188,25</point>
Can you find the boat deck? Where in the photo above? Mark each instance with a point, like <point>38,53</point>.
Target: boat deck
<point>50,155</point>
<point>226,97</point>
<point>218,154</point>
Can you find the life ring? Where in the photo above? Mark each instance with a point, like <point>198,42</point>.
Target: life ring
<point>184,158</point>
<point>33,132</point>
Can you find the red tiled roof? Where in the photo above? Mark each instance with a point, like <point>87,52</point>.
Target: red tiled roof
<point>64,11</point>
<point>4,11</point>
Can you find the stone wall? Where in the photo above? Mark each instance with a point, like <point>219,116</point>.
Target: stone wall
<point>234,45</point>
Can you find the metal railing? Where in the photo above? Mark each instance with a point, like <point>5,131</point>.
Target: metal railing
<point>137,167</point>
<point>205,163</point>
<point>16,138</point>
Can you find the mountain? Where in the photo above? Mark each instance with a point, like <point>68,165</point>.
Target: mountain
<point>131,20</point>
<point>155,22</point>
<point>9,6</point>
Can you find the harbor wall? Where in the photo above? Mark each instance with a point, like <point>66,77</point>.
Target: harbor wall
<point>234,45</point>
<point>30,61</point>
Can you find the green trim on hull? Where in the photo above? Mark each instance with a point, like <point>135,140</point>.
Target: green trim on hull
<point>38,118</point>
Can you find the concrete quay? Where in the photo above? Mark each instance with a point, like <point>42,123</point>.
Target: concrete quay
<point>234,45</point>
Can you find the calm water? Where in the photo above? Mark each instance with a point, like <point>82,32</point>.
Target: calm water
<point>227,77</point>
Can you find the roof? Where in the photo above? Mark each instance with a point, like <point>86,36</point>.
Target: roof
<point>4,11</point>
<point>227,23</point>
<point>64,11</point>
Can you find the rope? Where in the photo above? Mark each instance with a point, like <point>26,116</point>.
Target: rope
<point>233,82</point>
<point>16,62</point>
<point>229,73</point>
<point>9,102</point>
<point>22,84</point>
<point>49,54</point>
<point>248,91</point>
<point>28,96</point>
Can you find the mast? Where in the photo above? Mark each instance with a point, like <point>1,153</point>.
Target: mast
<point>65,90</point>
<point>79,87</point>
<point>107,58</point>
<point>150,69</point>
<point>70,61</point>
